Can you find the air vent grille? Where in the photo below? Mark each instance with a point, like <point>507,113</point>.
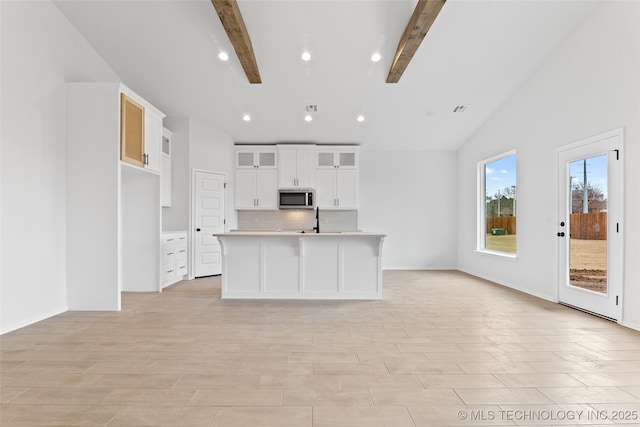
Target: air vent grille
<point>311,108</point>
<point>460,108</point>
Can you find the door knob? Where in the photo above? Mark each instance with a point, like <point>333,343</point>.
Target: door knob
<point>561,234</point>
<point>197,229</point>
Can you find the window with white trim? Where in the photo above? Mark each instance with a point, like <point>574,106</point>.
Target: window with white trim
<point>497,204</point>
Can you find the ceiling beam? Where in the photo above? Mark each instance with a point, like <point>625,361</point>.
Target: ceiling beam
<point>231,18</point>
<point>423,16</point>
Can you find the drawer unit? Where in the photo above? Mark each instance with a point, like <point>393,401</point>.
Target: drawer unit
<point>174,257</point>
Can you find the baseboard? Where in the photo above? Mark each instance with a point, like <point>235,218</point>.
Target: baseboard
<point>631,325</point>
<point>509,285</point>
<point>417,268</point>
<point>31,321</point>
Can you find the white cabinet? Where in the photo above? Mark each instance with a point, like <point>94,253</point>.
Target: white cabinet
<point>254,157</point>
<point>337,178</point>
<point>337,189</point>
<point>165,172</point>
<point>174,257</point>
<point>256,189</point>
<point>140,132</point>
<point>256,183</point>
<point>337,157</point>
<point>152,140</point>
<point>295,166</point>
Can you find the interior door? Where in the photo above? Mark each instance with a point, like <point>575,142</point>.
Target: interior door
<point>589,227</point>
<point>208,219</point>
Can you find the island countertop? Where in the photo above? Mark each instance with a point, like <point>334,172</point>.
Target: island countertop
<point>291,264</point>
<point>292,233</point>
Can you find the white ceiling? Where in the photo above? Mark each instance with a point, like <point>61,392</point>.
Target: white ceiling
<point>477,53</point>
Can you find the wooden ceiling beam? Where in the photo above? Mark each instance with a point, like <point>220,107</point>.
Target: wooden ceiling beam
<point>423,16</point>
<point>231,18</point>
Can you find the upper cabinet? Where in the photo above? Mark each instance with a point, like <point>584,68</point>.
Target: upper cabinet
<point>295,166</point>
<point>131,131</point>
<point>337,157</point>
<point>256,183</point>
<point>337,178</point>
<point>251,156</point>
<point>140,132</point>
<point>153,140</point>
<point>165,172</point>
<point>332,171</point>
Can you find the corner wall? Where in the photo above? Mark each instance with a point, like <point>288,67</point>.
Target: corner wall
<point>589,86</point>
<point>411,197</point>
<point>41,51</point>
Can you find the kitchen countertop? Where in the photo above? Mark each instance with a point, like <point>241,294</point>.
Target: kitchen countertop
<point>291,233</point>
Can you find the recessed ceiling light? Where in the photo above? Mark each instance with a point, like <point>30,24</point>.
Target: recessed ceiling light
<point>376,57</point>
<point>246,118</point>
<point>308,118</point>
<point>306,56</point>
<point>360,118</point>
<point>223,56</point>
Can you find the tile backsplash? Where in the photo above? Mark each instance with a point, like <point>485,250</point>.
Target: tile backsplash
<point>297,220</point>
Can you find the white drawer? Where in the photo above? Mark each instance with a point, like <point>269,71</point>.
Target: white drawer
<point>168,239</point>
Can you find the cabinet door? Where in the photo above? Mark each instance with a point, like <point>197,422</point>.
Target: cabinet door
<point>245,159</point>
<point>347,159</point>
<point>287,175</point>
<point>347,189</point>
<point>165,181</point>
<point>245,193</point>
<point>152,141</point>
<point>325,159</point>
<point>267,188</point>
<point>304,167</point>
<point>132,120</point>
<point>266,158</point>
<point>326,188</point>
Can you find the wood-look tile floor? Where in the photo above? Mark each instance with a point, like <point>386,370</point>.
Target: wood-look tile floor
<point>442,348</point>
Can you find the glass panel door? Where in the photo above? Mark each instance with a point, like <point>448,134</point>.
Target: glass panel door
<point>588,223</point>
<point>589,228</point>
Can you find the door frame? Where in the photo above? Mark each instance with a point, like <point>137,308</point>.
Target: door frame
<point>615,177</point>
<point>192,212</point>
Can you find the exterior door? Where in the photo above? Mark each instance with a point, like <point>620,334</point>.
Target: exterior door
<point>208,219</point>
<point>590,225</point>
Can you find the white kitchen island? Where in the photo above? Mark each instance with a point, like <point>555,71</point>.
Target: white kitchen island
<point>294,265</point>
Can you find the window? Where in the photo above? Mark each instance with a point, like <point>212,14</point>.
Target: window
<point>497,207</point>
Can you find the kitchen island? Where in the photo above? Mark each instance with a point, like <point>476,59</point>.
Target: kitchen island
<point>297,265</point>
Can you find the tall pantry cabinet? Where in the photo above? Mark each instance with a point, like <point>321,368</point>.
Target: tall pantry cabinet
<point>113,207</point>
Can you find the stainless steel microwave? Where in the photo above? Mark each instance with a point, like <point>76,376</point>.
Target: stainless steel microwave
<point>296,198</point>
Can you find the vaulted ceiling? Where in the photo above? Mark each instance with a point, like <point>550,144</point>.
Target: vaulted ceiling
<point>477,53</point>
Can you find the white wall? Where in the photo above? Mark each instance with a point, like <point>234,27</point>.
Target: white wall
<point>589,86</point>
<point>196,145</point>
<point>176,217</point>
<point>40,51</point>
<point>411,197</point>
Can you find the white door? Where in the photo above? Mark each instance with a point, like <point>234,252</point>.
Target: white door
<point>590,225</point>
<point>208,219</point>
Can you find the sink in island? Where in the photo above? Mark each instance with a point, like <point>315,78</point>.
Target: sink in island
<point>297,265</point>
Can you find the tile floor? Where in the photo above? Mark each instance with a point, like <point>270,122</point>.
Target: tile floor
<point>442,348</point>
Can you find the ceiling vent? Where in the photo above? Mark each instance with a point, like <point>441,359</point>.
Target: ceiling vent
<point>460,108</point>
<point>311,108</point>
